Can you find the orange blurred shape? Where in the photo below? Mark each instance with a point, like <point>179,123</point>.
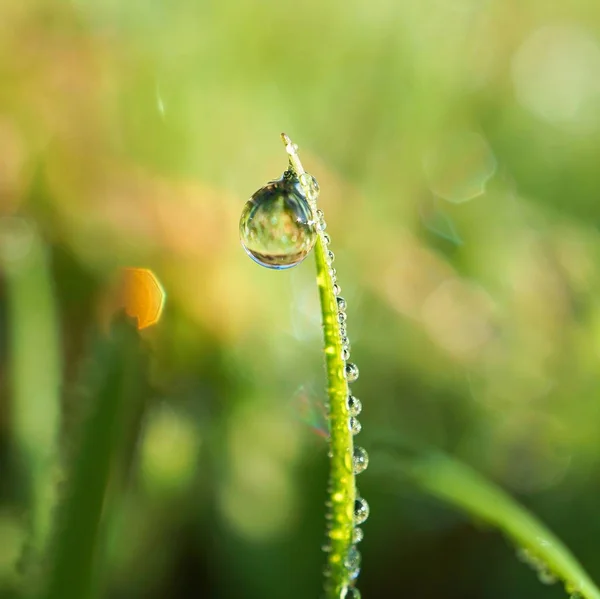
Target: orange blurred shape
<point>143,297</point>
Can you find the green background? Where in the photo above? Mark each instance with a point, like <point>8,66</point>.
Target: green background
<point>456,145</point>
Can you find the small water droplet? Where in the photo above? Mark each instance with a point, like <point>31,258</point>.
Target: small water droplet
<point>333,273</point>
<point>354,425</point>
<point>546,577</point>
<point>361,510</point>
<point>341,302</point>
<point>326,239</point>
<point>342,317</point>
<point>354,405</point>
<point>352,562</point>
<point>351,372</point>
<point>337,289</point>
<point>330,258</point>
<point>357,534</point>
<point>360,460</point>
<point>350,593</point>
<point>276,227</point>
<point>310,185</point>
<point>343,330</point>
<point>345,353</point>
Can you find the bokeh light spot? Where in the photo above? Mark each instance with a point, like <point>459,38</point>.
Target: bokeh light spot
<point>143,296</point>
<point>458,166</point>
<point>556,74</point>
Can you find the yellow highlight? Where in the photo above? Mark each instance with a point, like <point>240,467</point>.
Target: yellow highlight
<point>143,296</point>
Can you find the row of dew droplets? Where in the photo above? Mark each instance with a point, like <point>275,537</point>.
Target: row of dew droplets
<point>360,457</point>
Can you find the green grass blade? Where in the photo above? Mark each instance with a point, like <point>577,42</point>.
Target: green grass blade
<point>35,368</point>
<point>117,378</point>
<point>342,487</point>
<point>462,487</point>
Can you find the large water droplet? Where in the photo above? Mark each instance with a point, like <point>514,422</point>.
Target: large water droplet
<point>360,460</point>
<point>276,226</point>
<point>352,562</point>
<point>361,510</point>
<point>351,372</point>
<point>357,535</point>
<point>354,405</point>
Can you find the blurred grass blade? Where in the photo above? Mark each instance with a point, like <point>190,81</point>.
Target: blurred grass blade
<point>35,373</point>
<point>117,388</point>
<point>462,487</point>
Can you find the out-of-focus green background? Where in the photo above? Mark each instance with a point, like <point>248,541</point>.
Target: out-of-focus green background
<point>457,146</point>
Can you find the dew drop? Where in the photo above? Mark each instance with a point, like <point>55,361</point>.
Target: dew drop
<point>351,372</point>
<point>361,510</point>
<point>546,577</point>
<point>337,289</point>
<point>341,302</point>
<point>345,353</point>
<point>350,593</point>
<point>357,534</point>
<point>352,562</point>
<point>310,185</point>
<point>354,425</point>
<point>360,460</point>
<point>332,273</point>
<point>354,405</point>
<point>326,239</point>
<point>342,317</point>
<point>276,227</point>
<point>330,259</point>
<point>343,330</point>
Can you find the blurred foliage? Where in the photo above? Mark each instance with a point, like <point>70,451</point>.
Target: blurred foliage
<point>456,146</point>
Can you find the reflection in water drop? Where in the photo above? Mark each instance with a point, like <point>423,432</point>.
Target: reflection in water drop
<point>354,405</point>
<point>351,372</point>
<point>459,166</point>
<point>360,460</point>
<point>357,535</point>
<point>361,510</point>
<point>276,226</point>
<point>311,186</point>
<point>354,425</point>
<point>352,562</point>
